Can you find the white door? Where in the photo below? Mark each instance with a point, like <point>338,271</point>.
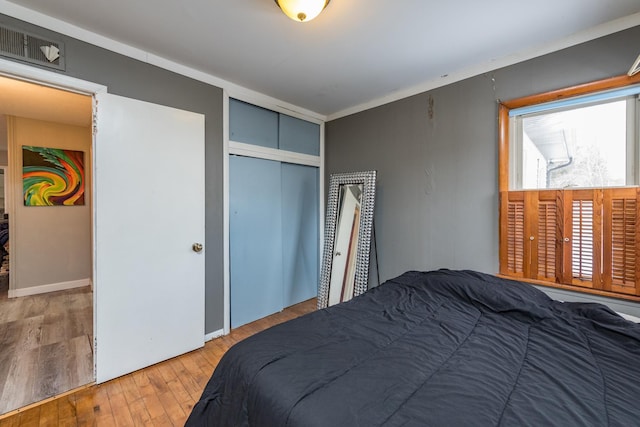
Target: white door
<point>149,212</point>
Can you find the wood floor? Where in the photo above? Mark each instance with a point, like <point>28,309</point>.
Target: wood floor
<point>45,345</point>
<point>160,395</point>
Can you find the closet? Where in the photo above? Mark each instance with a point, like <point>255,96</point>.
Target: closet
<point>273,211</point>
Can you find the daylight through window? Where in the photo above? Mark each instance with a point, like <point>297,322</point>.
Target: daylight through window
<point>583,146</point>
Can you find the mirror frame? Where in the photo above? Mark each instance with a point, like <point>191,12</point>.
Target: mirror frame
<point>368,181</point>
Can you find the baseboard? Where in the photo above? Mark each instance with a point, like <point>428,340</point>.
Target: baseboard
<point>51,287</point>
<point>214,334</point>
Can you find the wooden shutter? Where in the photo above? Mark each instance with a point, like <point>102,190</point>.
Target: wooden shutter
<point>530,234</point>
<point>621,240</point>
<point>582,263</point>
<point>549,235</point>
<point>512,233</point>
<point>585,238</point>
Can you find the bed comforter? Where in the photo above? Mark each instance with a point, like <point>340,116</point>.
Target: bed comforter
<point>442,348</point>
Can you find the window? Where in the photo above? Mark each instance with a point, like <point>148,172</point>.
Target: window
<point>569,195</point>
<point>577,147</point>
<point>584,145</point>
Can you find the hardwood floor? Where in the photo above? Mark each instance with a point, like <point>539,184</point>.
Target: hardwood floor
<point>160,395</point>
<point>45,345</point>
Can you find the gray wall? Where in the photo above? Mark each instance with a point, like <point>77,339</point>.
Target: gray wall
<point>437,157</point>
<point>134,79</point>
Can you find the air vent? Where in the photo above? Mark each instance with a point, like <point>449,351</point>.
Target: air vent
<point>31,48</point>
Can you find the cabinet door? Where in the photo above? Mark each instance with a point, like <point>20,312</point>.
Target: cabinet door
<point>298,135</point>
<point>300,256</point>
<point>254,125</point>
<point>255,242</point>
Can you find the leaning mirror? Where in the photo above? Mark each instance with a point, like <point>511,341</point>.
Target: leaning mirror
<point>347,240</point>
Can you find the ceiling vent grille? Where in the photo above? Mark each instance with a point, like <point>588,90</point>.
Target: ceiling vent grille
<point>31,48</point>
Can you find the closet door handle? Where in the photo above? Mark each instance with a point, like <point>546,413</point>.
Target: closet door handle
<point>197,247</point>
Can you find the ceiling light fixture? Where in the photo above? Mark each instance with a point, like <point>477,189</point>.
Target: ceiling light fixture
<point>302,10</point>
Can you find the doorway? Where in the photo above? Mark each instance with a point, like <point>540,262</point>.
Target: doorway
<point>46,301</point>
<point>147,252</point>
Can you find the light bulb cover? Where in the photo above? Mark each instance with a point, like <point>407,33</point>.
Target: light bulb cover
<point>302,10</point>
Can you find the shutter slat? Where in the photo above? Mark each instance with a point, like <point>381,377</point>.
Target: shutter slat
<point>515,236</point>
<point>623,238</point>
<point>583,251</point>
<point>582,243</point>
<point>547,218</point>
<point>620,238</point>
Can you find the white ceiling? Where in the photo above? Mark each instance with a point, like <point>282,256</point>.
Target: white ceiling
<point>24,99</point>
<point>357,53</point>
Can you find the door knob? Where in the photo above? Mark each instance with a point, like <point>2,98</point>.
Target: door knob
<point>197,247</point>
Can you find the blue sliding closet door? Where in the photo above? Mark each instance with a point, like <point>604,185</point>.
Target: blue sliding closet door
<point>255,246</point>
<point>300,237</point>
<point>273,213</point>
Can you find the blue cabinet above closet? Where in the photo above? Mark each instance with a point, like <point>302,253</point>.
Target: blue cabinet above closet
<point>255,125</point>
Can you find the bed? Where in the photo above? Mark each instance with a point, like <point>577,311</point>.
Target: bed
<point>440,348</point>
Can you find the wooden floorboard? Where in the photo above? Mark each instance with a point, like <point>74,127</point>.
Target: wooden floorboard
<point>160,395</point>
<point>45,345</point>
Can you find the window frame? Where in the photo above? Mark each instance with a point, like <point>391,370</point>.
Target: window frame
<point>504,107</point>
<point>505,134</point>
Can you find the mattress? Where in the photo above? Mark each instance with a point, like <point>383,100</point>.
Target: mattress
<point>454,348</point>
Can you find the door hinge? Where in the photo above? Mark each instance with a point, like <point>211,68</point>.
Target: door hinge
<point>95,350</point>
<point>94,120</point>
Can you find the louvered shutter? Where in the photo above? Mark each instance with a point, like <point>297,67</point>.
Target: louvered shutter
<point>529,235</point>
<point>621,240</point>
<point>586,238</point>
<point>549,236</point>
<point>512,233</point>
<point>582,238</point>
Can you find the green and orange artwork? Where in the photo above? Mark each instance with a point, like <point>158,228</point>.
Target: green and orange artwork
<point>52,176</point>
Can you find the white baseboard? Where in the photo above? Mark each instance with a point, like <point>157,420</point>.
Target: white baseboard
<point>214,334</point>
<point>51,287</point>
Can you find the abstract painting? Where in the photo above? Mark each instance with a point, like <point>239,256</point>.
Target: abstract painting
<point>52,176</point>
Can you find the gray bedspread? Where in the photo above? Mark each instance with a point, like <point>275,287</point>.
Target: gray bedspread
<point>442,348</point>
